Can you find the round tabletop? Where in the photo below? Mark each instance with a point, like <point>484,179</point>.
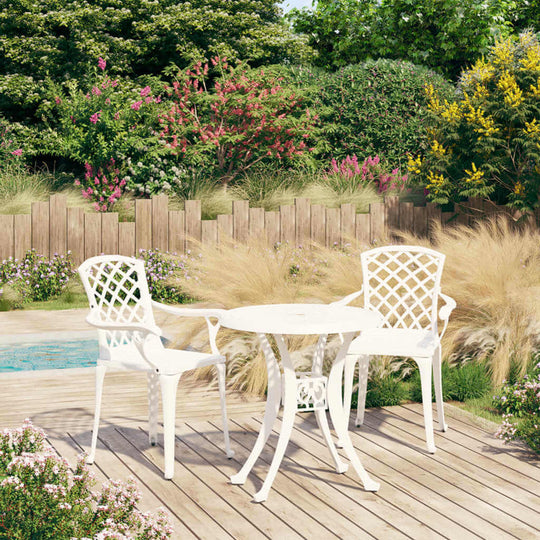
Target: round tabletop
<point>300,319</point>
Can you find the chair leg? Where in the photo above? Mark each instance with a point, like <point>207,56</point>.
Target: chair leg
<point>424,365</point>
<point>350,364</point>
<point>153,406</point>
<point>169,385</point>
<point>100,375</point>
<point>222,392</point>
<point>437,381</point>
<point>363,374</point>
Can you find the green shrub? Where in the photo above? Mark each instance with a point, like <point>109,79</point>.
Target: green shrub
<point>469,381</point>
<point>487,142</point>
<point>42,498</point>
<point>445,35</point>
<point>520,405</point>
<point>382,391</point>
<point>375,108</point>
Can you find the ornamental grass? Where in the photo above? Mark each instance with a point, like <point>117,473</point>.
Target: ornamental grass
<point>492,271</point>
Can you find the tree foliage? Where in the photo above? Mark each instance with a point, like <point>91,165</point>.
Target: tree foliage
<point>487,142</point>
<point>61,39</point>
<point>446,35</point>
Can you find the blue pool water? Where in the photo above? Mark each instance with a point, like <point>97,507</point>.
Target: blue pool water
<point>48,355</point>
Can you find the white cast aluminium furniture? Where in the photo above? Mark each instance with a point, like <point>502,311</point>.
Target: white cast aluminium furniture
<point>403,285</point>
<point>121,310</point>
<point>302,391</point>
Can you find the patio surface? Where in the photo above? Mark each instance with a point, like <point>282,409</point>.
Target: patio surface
<point>473,487</point>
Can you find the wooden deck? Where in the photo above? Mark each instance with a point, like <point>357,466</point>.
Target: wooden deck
<point>473,487</point>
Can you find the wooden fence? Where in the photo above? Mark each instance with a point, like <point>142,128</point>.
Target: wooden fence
<point>51,227</point>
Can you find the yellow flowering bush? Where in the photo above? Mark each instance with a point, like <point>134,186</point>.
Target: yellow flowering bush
<point>486,142</point>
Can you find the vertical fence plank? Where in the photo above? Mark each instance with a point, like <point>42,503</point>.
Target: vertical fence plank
<point>75,234</point>
<point>240,220</point>
<point>271,226</point>
<point>22,234</point>
<point>225,227</point>
<point>57,224</point>
<point>477,210</point>
<point>126,238</point>
<point>363,229</point>
<point>92,235</point>
<point>256,222</point>
<point>448,219</point>
<point>392,211</point>
<point>303,219</point>
<point>434,217</point>
<point>40,228</point>
<point>420,221</point>
<point>318,224</point>
<point>287,224</point>
<point>537,215</point>
<point>193,223</point>
<point>109,233</point>
<point>177,231</point>
<point>348,223</point>
<point>160,222</point>
<point>462,210</point>
<point>209,232</point>
<point>7,245</point>
<point>143,224</point>
<point>406,217</point>
<point>377,225</point>
<point>333,228</point>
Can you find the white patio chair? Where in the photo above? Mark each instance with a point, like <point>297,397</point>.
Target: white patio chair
<point>402,283</point>
<point>121,310</point>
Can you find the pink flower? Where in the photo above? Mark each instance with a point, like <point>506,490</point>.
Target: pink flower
<point>145,91</point>
<point>96,91</point>
<point>157,100</point>
<point>108,101</point>
<point>117,115</point>
<point>57,100</point>
<point>137,105</point>
<point>95,117</point>
<point>77,182</point>
<point>17,152</point>
<point>101,63</point>
<point>149,99</point>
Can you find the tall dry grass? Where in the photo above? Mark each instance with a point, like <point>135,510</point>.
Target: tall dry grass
<point>492,271</point>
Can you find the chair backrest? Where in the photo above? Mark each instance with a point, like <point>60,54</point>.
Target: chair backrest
<point>402,283</point>
<point>117,290</point>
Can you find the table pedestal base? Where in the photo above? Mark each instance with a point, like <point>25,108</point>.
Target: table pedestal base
<point>288,388</point>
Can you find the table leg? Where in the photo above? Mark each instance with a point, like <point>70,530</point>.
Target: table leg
<point>335,404</point>
<point>270,412</point>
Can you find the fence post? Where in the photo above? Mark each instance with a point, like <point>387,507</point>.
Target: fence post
<point>7,246</point>
<point>75,234</point>
<point>57,224</point>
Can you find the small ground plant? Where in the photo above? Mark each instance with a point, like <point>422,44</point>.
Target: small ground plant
<point>519,404</point>
<point>41,497</point>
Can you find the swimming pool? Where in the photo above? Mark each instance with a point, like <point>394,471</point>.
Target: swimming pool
<point>74,353</point>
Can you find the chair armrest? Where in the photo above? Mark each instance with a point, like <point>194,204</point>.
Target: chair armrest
<point>197,312</point>
<point>189,312</point>
<point>449,306</point>
<point>129,327</point>
<point>446,310</point>
<point>347,299</point>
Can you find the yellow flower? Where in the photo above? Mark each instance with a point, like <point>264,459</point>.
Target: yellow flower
<point>518,188</point>
<point>435,182</point>
<point>485,124</point>
<point>533,127</point>
<point>434,103</point>
<point>513,96</point>
<point>535,90</point>
<point>437,148</point>
<point>481,72</point>
<point>414,164</point>
<point>503,53</point>
<point>481,92</point>
<point>532,61</point>
<point>474,176</point>
<point>451,111</point>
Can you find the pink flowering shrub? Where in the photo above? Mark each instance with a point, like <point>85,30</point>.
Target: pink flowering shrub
<point>520,405</point>
<point>235,120</point>
<point>40,497</point>
<point>10,153</point>
<point>103,127</point>
<point>349,174</point>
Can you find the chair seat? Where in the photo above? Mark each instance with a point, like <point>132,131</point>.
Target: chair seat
<point>395,342</point>
<point>169,361</point>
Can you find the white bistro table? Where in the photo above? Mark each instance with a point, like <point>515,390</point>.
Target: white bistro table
<point>302,391</point>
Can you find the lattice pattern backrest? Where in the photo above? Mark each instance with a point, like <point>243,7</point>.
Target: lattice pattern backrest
<point>402,284</point>
<point>117,290</point>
